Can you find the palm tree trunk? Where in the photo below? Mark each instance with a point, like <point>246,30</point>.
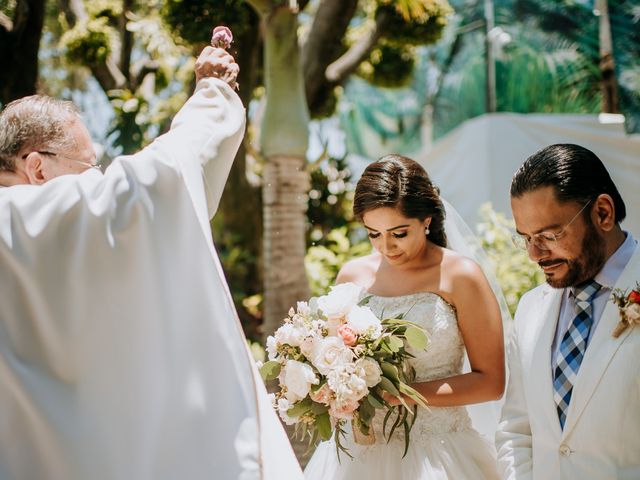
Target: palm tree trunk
<point>284,139</point>
<point>608,83</point>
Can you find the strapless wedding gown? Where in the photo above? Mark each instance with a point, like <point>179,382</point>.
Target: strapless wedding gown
<point>443,444</point>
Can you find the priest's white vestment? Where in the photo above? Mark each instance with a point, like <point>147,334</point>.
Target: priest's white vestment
<point>121,355</point>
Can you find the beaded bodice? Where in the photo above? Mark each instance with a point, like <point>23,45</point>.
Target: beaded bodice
<point>443,358</point>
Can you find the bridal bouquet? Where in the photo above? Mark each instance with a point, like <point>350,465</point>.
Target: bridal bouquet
<point>334,360</point>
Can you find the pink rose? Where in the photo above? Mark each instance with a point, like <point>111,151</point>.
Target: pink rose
<point>349,337</point>
<point>322,395</point>
<point>333,323</point>
<point>222,37</point>
<point>344,410</point>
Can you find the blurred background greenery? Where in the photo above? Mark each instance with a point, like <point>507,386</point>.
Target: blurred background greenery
<point>392,66</point>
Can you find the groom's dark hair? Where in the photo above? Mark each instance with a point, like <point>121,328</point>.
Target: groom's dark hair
<point>574,172</point>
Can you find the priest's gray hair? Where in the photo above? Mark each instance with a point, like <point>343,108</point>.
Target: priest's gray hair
<point>34,123</point>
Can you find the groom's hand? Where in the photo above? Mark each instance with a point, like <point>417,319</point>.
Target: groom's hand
<point>218,63</point>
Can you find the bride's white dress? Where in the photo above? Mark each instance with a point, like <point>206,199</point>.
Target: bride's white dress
<point>443,444</point>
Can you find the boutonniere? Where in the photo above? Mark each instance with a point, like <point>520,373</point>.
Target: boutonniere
<point>629,308</point>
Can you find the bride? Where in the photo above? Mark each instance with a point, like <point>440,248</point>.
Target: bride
<point>413,272</point>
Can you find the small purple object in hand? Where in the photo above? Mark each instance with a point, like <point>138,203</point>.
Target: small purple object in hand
<point>221,38</point>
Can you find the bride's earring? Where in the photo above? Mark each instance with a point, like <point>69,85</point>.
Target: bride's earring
<point>426,231</point>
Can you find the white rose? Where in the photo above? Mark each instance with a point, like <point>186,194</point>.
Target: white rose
<point>340,299</point>
<point>358,387</point>
<point>272,347</point>
<point>308,346</point>
<point>369,370</point>
<point>633,312</point>
<point>347,386</point>
<point>297,377</point>
<point>290,335</point>
<point>364,322</point>
<point>330,353</point>
<point>283,406</point>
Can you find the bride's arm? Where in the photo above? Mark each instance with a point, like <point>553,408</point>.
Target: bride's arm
<point>480,323</point>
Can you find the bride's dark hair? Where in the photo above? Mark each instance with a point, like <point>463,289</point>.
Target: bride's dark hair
<point>398,182</point>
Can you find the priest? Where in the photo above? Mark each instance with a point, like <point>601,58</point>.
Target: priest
<point>121,354</point>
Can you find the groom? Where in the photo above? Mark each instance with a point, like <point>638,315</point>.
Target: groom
<point>121,356</point>
<point>572,408</point>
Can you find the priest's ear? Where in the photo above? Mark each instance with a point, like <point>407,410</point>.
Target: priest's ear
<point>34,168</point>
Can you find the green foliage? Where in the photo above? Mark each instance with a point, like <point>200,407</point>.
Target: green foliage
<point>411,23</point>
<point>257,351</point>
<point>415,22</point>
<point>535,72</point>
<point>88,42</point>
<point>389,65</point>
<point>330,197</point>
<point>109,9</point>
<point>8,7</point>
<point>194,20</point>
<point>131,120</point>
<point>516,274</point>
<point>324,261</point>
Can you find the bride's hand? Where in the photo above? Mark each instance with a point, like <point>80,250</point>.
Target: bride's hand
<point>393,400</point>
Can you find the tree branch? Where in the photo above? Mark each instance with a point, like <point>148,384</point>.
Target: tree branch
<point>108,75</point>
<point>141,70</point>
<point>348,63</point>
<point>324,45</point>
<point>126,38</point>
<point>21,16</point>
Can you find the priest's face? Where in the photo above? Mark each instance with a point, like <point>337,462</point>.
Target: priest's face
<point>73,155</point>
<point>559,236</point>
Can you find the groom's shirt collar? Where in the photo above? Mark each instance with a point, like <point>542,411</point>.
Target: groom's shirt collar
<point>612,269</point>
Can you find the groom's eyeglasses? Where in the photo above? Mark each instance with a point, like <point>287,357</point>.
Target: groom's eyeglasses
<point>544,240</point>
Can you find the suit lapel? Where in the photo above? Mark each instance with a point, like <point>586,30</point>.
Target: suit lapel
<point>542,338</point>
<point>601,348</point>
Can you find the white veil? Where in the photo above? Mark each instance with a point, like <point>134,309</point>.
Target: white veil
<point>484,416</point>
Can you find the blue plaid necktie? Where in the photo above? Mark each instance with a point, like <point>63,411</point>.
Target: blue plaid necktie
<point>573,346</point>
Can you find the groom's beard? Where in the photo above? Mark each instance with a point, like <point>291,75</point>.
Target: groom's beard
<point>587,264</point>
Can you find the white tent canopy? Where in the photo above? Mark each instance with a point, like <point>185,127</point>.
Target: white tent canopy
<point>475,162</point>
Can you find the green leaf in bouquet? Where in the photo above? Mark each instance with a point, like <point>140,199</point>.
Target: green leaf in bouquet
<point>408,426</point>
<point>375,401</point>
<point>270,370</point>
<point>390,371</point>
<point>413,394</point>
<point>323,424</point>
<point>303,406</point>
<point>395,343</point>
<point>388,385</point>
<point>400,419</point>
<point>366,412</point>
<point>416,337</point>
<point>387,416</point>
<point>318,408</point>
<point>364,301</point>
<point>338,433</point>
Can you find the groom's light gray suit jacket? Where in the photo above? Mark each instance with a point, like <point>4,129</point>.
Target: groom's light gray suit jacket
<point>601,438</point>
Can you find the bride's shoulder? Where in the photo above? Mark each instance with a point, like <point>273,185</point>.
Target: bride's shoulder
<point>359,270</point>
<point>460,268</point>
